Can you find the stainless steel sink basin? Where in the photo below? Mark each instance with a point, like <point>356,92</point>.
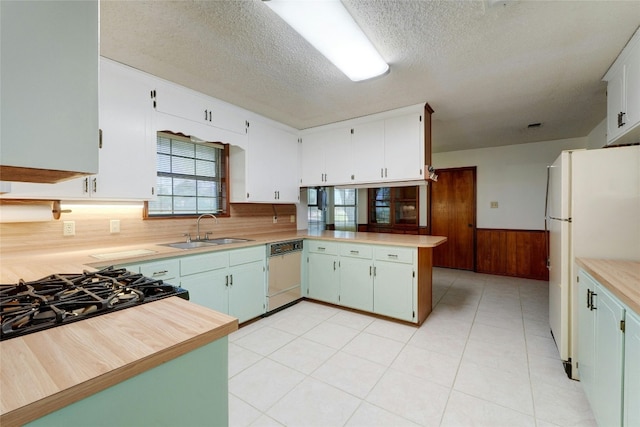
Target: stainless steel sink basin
<point>227,240</point>
<point>204,243</point>
<point>190,245</point>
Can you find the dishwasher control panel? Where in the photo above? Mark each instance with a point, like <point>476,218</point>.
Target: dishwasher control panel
<point>282,248</point>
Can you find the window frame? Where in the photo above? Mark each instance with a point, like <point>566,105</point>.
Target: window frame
<point>224,180</point>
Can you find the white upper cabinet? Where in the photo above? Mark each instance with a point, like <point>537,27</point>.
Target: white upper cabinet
<point>184,103</point>
<point>367,140</point>
<point>49,98</point>
<point>380,148</point>
<point>127,147</point>
<point>404,147</point>
<point>267,171</point>
<point>623,95</point>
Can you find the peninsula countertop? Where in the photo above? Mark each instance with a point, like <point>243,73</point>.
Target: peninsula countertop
<point>622,278</point>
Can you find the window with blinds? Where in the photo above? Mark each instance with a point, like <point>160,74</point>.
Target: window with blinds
<point>191,177</point>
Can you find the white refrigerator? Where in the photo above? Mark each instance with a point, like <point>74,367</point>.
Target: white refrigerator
<point>592,211</point>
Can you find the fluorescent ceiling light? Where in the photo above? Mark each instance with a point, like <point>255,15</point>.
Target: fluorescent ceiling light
<point>328,26</point>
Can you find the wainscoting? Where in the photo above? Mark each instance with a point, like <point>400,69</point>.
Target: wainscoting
<point>519,253</point>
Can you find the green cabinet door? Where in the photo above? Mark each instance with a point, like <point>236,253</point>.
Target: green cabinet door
<point>247,292</point>
<point>209,289</point>
<point>323,278</point>
<point>356,283</point>
<point>609,359</point>
<point>393,290</point>
<point>586,335</point>
<point>631,415</point>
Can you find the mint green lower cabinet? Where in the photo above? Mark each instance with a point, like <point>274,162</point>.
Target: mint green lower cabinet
<point>609,359</point>
<point>586,335</point>
<point>209,289</point>
<point>191,390</point>
<point>356,283</point>
<point>324,280</point>
<point>394,290</point>
<point>601,351</point>
<point>631,414</point>
<point>247,292</point>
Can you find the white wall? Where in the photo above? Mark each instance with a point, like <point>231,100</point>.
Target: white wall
<point>515,176</point>
<point>598,136</point>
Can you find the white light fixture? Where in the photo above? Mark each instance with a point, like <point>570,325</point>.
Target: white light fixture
<point>328,26</point>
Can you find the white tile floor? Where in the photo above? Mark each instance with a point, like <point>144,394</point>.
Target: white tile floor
<point>484,357</point>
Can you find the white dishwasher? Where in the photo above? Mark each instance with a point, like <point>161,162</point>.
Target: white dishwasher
<point>284,265</point>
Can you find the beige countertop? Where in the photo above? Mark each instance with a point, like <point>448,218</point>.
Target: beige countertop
<point>47,370</point>
<point>35,264</point>
<point>31,389</point>
<point>622,278</point>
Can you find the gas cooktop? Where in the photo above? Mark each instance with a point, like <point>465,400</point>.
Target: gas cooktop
<point>59,299</point>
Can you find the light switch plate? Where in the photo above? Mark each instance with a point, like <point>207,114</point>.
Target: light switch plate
<point>494,205</point>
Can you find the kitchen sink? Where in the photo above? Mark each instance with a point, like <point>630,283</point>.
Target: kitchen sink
<point>204,243</point>
<point>227,240</point>
<point>190,245</point>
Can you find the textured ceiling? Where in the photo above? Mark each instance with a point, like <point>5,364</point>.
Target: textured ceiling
<point>487,71</point>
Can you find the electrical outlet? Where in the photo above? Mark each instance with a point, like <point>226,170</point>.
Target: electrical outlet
<point>68,228</point>
<point>114,226</point>
<point>494,205</point>
<point>292,218</point>
<point>275,219</point>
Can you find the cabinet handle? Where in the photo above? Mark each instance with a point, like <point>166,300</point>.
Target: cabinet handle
<point>209,115</point>
<point>320,248</point>
<point>620,119</point>
<point>385,172</point>
<point>86,185</point>
<point>226,281</point>
<point>231,280</point>
<point>381,173</point>
<point>334,266</point>
<point>95,185</point>
<point>394,256</point>
<point>374,271</point>
<point>370,270</point>
<point>159,273</point>
<point>588,298</point>
<point>591,306</point>
<point>205,115</point>
<point>355,252</point>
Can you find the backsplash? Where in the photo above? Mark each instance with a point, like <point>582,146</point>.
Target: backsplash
<point>92,226</point>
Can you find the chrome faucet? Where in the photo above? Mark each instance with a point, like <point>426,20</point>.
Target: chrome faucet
<point>198,225</point>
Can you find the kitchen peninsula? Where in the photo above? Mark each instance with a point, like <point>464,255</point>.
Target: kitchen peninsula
<point>79,361</point>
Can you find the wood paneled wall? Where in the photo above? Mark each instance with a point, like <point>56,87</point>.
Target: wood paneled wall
<point>519,253</point>
<point>92,226</point>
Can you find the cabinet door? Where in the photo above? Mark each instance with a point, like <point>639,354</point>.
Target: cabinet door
<point>609,359</point>
<point>272,169</point>
<point>181,102</point>
<point>312,159</point>
<point>393,290</point>
<point>631,416</point>
<point>210,289</point>
<point>356,283</point>
<point>247,291</point>
<point>586,335</point>
<point>338,156</point>
<point>127,155</point>
<point>368,146</point>
<point>323,279</point>
<point>632,89</point>
<point>49,79</point>
<point>615,104</point>
<point>403,147</point>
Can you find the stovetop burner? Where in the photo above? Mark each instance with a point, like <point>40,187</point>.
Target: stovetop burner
<point>62,298</point>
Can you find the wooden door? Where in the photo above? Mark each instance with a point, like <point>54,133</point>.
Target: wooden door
<point>453,214</point>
